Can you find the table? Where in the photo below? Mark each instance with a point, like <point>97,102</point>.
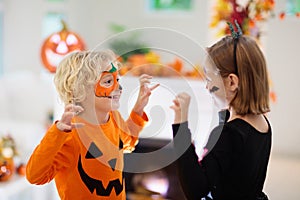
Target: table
<point>18,188</point>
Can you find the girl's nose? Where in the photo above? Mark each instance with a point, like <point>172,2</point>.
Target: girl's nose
<point>206,85</point>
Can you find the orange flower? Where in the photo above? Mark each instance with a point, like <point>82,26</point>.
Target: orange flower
<point>282,15</point>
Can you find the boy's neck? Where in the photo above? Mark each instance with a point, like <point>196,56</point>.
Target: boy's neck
<point>94,117</point>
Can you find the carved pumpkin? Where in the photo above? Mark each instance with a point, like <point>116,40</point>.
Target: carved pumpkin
<point>59,44</point>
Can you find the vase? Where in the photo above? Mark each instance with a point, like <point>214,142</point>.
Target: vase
<point>7,169</point>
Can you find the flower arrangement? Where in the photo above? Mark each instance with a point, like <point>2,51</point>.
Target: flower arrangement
<point>150,63</point>
<point>7,148</point>
<point>248,13</point>
<point>137,58</point>
<point>7,153</point>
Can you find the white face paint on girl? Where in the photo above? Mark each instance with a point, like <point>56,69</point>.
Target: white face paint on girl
<point>215,85</point>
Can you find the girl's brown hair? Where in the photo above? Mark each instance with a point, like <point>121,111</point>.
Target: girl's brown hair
<point>252,96</point>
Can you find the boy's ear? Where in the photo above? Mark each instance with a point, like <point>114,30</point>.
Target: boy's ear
<point>233,82</point>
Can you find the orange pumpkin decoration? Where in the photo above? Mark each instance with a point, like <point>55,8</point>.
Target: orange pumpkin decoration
<point>59,44</point>
<point>21,169</point>
<point>7,169</point>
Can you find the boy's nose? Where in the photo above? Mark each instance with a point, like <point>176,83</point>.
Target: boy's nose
<point>120,87</point>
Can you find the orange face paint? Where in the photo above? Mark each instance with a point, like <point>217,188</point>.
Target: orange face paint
<point>107,83</point>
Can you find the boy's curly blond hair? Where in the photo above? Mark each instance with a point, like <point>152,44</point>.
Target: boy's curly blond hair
<point>79,72</point>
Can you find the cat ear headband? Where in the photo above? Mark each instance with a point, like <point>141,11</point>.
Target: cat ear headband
<point>235,35</point>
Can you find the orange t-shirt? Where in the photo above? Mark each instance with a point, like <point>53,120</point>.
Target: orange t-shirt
<point>87,162</point>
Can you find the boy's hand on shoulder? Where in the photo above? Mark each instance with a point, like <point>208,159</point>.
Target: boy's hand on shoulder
<point>144,93</point>
<point>65,123</point>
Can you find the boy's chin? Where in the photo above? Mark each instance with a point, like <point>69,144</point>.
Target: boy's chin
<point>115,106</point>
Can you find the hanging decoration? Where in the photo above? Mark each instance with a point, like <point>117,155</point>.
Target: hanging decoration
<point>292,9</point>
<point>59,44</point>
<point>249,14</point>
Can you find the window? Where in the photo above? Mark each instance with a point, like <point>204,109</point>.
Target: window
<point>1,39</point>
<point>52,23</point>
<point>293,7</point>
<point>55,1</point>
<point>170,5</point>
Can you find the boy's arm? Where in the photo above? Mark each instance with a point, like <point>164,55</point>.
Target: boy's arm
<point>54,152</point>
<point>144,94</point>
<point>134,124</point>
<point>130,129</point>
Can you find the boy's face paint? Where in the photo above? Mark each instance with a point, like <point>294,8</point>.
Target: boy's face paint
<point>108,82</point>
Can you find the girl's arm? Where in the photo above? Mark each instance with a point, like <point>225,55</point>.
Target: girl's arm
<point>191,174</point>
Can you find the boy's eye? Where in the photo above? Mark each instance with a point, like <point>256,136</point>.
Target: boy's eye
<point>108,81</point>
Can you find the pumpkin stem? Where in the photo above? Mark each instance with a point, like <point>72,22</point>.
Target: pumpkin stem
<point>64,25</point>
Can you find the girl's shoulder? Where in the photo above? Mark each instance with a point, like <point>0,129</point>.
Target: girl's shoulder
<point>241,125</point>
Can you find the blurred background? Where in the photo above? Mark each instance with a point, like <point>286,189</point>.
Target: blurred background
<point>36,34</point>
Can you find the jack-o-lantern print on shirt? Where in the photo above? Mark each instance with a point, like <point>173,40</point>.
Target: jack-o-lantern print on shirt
<point>100,161</point>
<point>59,44</point>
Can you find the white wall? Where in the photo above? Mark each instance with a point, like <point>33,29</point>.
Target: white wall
<point>91,19</point>
<point>282,52</point>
